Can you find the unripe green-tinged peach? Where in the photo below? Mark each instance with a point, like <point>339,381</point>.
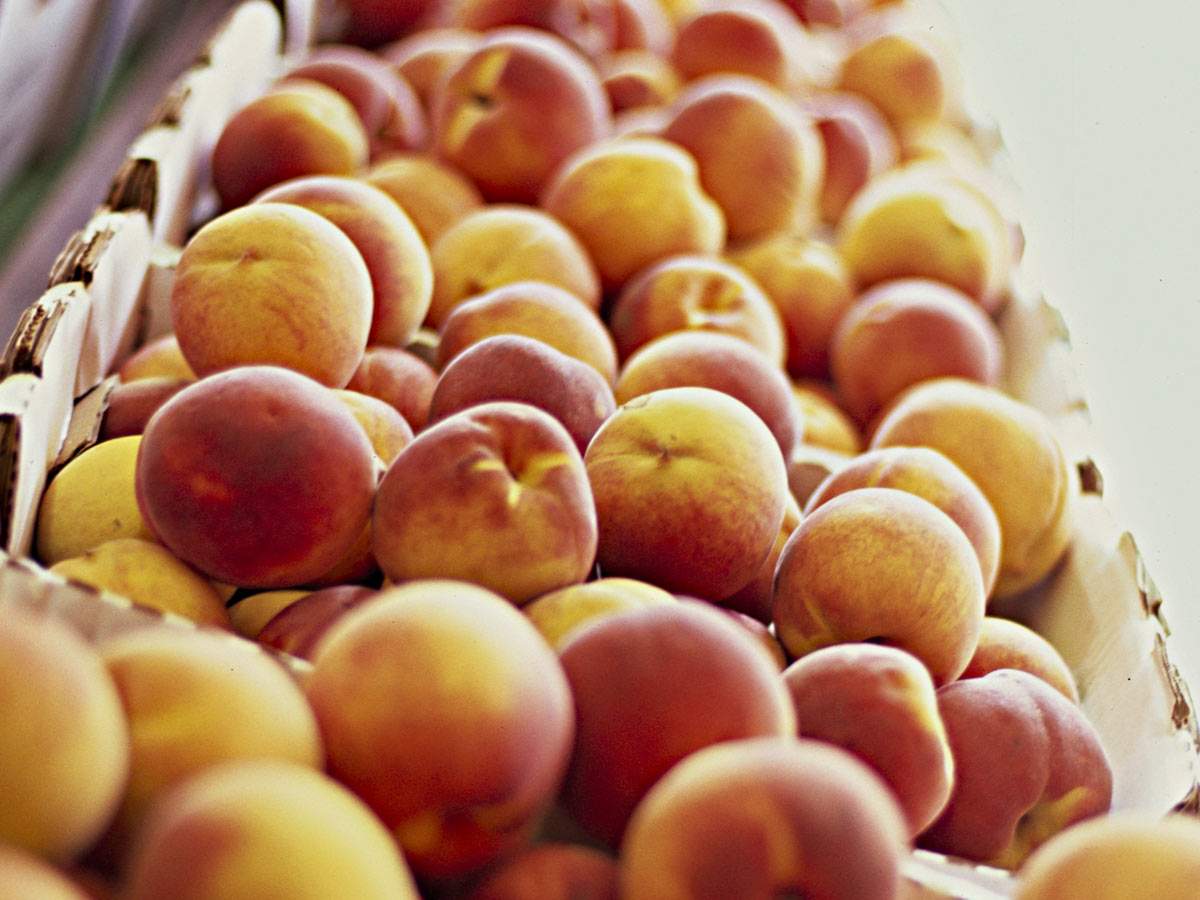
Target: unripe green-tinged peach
<point>552,872</point>
<point>756,598</point>
<point>496,495</point>
<point>92,500</point>
<point>257,477</point>
<point>298,128</point>
<point>298,627</point>
<point>759,39</point>
<point>431,193</point>
<point>398,378</point>
<point>883,566</point>
<point>258,828</point>
<point>273,284</point>
<point>250,614</point>
<point>633,201</point>
<point>652,686</point>
<point>1009,450</point>
<point>131,405</point>
<point>385,428</point>
<point>589,25</point>
<point>64,747</point>
<point>902,71</point>
<point>396,259</point>
<point>517,107</point>
<point>858,143</point>
<point>444,677</point>
<point>825,423</point>
<point>26,877</point>
<point>930,476</point>
<point>1004,644</point>
<point>638,78</point>
<point>161,358</point>
<point>879,704</point>
<point>424,58</point>
<point>643,25</point>
<point>690,491</point>
<point>765,818</point>
<point>560,614</point>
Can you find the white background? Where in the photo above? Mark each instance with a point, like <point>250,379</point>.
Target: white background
<point>1099,105</point>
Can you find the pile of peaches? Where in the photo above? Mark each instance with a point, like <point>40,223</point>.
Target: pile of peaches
<point>496,393</point>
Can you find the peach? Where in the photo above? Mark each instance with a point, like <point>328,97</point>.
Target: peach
<point>90,501</point>
<point>755,599</point>
<point>931,476</point>
<point>495,495</point>
<point>257,477</point>
<point>559,615</point>
<point>504,244</point>
<point>825,423</point>
<point>883,566</point>
<point>533,309</point>
<point>298,128</point>
<point>690,491</point>
<point>445,677</point>
<point>645,121</point>
<point>879,704</point>
<point>399,379</point>
<point>273,284</point>
<point>26,877</point>
<point>903,71</point>
<point>520,369</point>
<point>1027,765</point>
<point>1009,450</point>
<point>943,141</point>
<point>396,259</point>
<point>760,157</point>
<point>431,193</point>
<point>1004,644</point>
<point>858,142</point>
<point>721,362</point>
<point>696,293</point>
<point>633,201</point>
<point>808,468</point>
<point>424,58</point>
<point>637,78</point>
<point>374,22</point>
<point>64,747</point>
<point>834,13</point>
<point>161,358</point>
<point>652,686</point>
<point>760,633</point>
<point>298,627</point>
<point>264,825</point>
<point>131,405</point>
<point>516,108</point>
<point>358,564</point>
<point>759,39</point>
<point>386,429</point>
<point>551,872</point>
<point>589,25</point>
<point>643,25</point>
<point>251,613</point>
<point>765,818</point>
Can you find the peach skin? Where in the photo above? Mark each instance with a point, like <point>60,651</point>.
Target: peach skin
<point>425,57</point>
<point>559,615</point>
<point>859,144</point>
<point>588,25</point>
<point>433,195</point>
<point>131,405</point>
<point>398,378</point>
<point>759,39</point>
<point>1004,644</point>
<point>161,358</point>
<point>24,876</point>
<point>551,872</point>
<point>298,628</point>
<point>756,598</point>
<point>826,424</point>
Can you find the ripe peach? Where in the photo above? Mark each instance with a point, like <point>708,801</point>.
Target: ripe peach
<point>161,358</point>
<point>904,72</point>
<point>652,686</point>
<point>424,58</point>
<point>444,677</point>
<point>357,565</point>
<point>756,598</point>
<point>859,144</point>
<point>826,425</point>
<point>643,25</point>
<point>552,872</point>
<point>398,378</point>
<point>690,491</point>
<point>834,13</point>
<point>131,405</point>
<point>559,615</point>
<point>883,566</point>
<point>757,38</point>
<point>492,116</point>
<point>589,25</point>
<point>374,22</point>
<point>759,632</point>
<point>810,466</point>
<point>1004,644</point>
<point>633,201</point>
<point>637,78</point>
<point>256,476</point>
<point>645,121</point>
<point>27,877</point>
<point>431,193</point>
<point>386,429</point>
<point>251,613</point>
<point>298,627</point>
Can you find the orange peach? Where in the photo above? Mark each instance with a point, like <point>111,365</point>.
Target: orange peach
<point>810,466</point>
<point>398,378</point>
<point>589,25</point>
<point>161,358</point>
<point>1004,644</point>
<point>431,193</point>
<point>760,39</point>
<point>637,78</point>
<point>645,121</point>
<point>825,423</point>
<point>834,13</point>
<point>358,564</point>
<point>551,872</point>
<point>859,144</point>
<point>424,58</point>
<point>643,25</point>
<point>26,877</point>
<point>386,429</point>
<point>559,615</point>
<point>760,633</point>
<point>251,613</point>
<point>131,405</point>
<point>755,598</point>
<point>298,627</point>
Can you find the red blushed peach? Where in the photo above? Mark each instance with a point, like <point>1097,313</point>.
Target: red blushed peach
<point>690,491</point>
<point>826,425</point>
<point>652,686</point>
<point>721,362</point>
<point>552,872</point>
<point>1009,645</point>
<point>560,614</point>
<point>696,293</point>
<point>161,358</point>
<point>510,367</point>
<point>27,877</point>
<point>1027,763</point>
<point>759,155</point>
<point>930,476</point>
<point>399,379</point>
<point>879,704</point>
<point>515,109</point>
<point>444,677</point>
<point>755,598</point>
<point>643,25</point>
<point>432,194</point>
<point>386,429</point>
<point>834,13</point>
<point>257,477</point>
<point>637,78</point>
<point>395,256</point>
<point>424,58</point>
<point>273,284</point>
<point>859,144</point>
<point>131,405</point>
<point>759,39</point>
<point>495,495</point>
<point>760,633</point>
<point>590,25</point>
<point>299,128</point>
<point>757,819</point>
<point>533,309</point>
<point>298,627</point>
<point>374,22</point>
<point>883,566</point>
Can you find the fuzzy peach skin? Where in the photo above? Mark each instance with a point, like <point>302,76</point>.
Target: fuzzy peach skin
<point>398,378</point>
<point>588,25</point>
<point>396,258</point>
<point>249,827</point>
<point>358,564</point>
<point>298,627</point>
<point>385,428</point>
<point>1027,764</point>
<point>638,78</point>
<point>878,703</point>
<point>695,293</point>
<point>26,877</point>
<point>633,201</point>
<point>516,108</point>
<point>760,633</point>
<point>756,598</point>
<point>131,405</point>
<point>64,747</point>
<point>930,476</point>
<point>759,154</point>
<point>759,39</point>
<point>533,309</point>
<point>646,121</point>
<point>523,370</point>
<point>826,424</point>
<point>161,358</point>
<point>425,57</point>
<point>251,613</point>
<point>551,872</point>
<point>505,244</point>
<point>445,677</point>
<point>643,25</point>
<point>432,194</point>
<point>835,13</point>
<point>652,686</point>
<point>1009,450</point>
<point>257,477</point>
<point>809,467</point>
<point>884,566</point>
<point>298,128</point>
<point>752,819</point>
<point>721,362</point>
<point>1004,644</point>
<point>690,491</point>
<point>859,144</point>
<point>496,495</point>
<point>374,22</point>
<point>560,614</point>
<point>273,284</point>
